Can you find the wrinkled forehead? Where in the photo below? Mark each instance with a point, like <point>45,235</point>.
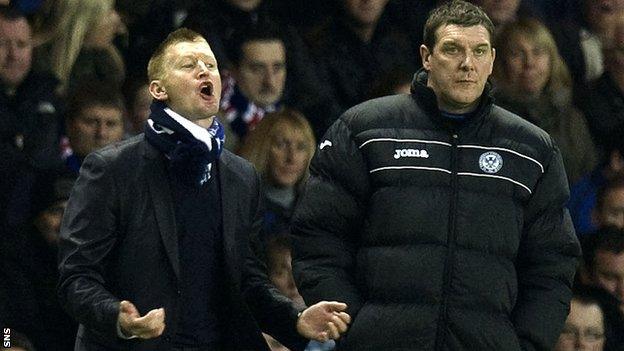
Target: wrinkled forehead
<point>454,33</point>
<point>199,47</point>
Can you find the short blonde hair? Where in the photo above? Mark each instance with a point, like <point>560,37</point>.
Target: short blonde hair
<point>155,66</point>
<point>259,141</point>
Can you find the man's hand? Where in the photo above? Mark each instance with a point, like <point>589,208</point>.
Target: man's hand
<point>323,321</point>
<point>132,324</point>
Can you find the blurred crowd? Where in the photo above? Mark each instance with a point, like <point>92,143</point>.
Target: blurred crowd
<point>73,80</point>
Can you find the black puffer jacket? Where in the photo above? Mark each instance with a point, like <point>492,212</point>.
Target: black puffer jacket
<point>438,236</point>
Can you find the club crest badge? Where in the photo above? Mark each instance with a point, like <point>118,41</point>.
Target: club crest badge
<point>490,162</point>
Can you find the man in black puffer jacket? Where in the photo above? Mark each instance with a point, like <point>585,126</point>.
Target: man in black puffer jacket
<point>438,216</point>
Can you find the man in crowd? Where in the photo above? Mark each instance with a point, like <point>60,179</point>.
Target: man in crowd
<point>439,217</point>
<point>585,326</point>
<point>29,118</point>
<point>94,119</point>
<point>584,193</point>
<point>354,49</point>
<point>29,108</point>
<point>257,81</point>
<point>155,247</point>
<point>603,266</point>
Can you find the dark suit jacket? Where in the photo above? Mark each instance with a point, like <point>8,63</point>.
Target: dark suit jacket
<point>119,242</point>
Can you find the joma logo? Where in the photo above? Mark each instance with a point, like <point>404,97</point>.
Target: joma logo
<point>398,153</point>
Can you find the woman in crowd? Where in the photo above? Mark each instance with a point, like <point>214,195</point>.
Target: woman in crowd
<point>280,147</point>
<point>75,41</point>
<point>532,81</point>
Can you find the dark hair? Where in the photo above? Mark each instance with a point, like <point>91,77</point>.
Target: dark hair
<point>607,238</point>
<point>51,187</point>
<point>131,85</point>
<point>387,83</point>
<point>88,95</point>
<point>11,13</point>
<point>264,30</point>
<point>456,12</point>
<point>181,35</point>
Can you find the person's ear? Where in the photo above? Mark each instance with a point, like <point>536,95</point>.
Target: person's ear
<point>493,58</point>
<point>425,55</point>
<point>157,90</point>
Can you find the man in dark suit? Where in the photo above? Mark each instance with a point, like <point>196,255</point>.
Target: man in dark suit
<point>155,250</point>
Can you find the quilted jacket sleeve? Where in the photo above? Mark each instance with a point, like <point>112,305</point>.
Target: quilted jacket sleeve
<point>547,260</point>
<point>328,219</point>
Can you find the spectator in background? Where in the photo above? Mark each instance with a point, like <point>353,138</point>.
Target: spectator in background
<point>355,47</point>
<point>585,326</point>
<point>76,43</point>
<point>29,262</point>
<point>94,119</point>
<point>609,210</point>
<point>505,11</point>
<point>278,256</point>
<point>581,40</point>
<point>29,109</point>
<point>603,102</point>
<point>257,81</point>
<point>583,194</point>
<point>29,119</point>
<point>280,148</point>
<point>279,267</point>
<point>532,81</point>
<point>603,262</point>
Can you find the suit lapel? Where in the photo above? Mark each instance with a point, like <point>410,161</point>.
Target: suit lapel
<point>160,191</point>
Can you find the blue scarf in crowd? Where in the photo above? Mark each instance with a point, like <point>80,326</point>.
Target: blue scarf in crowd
<point>190,149</point>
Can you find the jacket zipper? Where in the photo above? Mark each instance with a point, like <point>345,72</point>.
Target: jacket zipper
<point>451,238</point>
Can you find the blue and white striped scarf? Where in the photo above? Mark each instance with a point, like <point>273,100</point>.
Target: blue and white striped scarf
<point>190,149</point>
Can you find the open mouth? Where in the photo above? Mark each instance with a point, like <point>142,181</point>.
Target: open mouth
<point>206,90</point>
